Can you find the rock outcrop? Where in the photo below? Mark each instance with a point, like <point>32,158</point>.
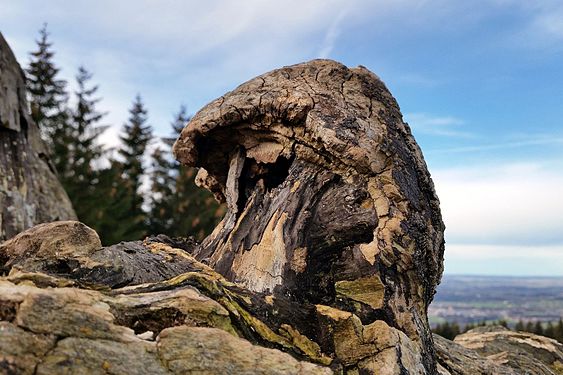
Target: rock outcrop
<point>497,351</point>
<point>30,192</point>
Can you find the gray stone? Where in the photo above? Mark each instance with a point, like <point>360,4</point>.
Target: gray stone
<point>30,192</point>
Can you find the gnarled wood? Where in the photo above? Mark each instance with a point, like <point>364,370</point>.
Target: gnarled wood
<point>329,199</point>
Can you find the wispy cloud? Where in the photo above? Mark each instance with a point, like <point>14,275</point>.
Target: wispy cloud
<point>518,260</point>
<point>508,204</point>
<point>330,36</point>
<point>499,146</point>
<point>437,125</point>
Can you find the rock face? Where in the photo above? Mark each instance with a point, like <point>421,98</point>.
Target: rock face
<point>497,350</point>
<point>30,192</point>
<point>329,204</point>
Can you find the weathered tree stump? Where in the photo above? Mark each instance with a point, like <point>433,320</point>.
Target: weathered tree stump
<point>329,199</point>
<point>330,251</point>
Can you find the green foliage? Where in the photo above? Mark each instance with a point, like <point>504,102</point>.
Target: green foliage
<point>75,158</point>
<point>447,330</point>
<point>553,330</point>
<point>162,189</point>
<point>178,206</point>
<point>47,93</point>
<point>110,199</point>
<point>519,326</point>
<point>113,220</point>
<point>135,139</point>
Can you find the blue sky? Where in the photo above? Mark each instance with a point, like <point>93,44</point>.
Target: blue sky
<point>480,83</point>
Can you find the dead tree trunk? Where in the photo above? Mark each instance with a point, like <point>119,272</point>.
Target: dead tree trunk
<point>329,199</point>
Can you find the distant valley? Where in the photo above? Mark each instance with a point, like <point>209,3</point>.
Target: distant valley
<point>474,299</point>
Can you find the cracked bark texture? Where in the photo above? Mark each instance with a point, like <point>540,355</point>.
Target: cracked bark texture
<point>30,192</point>
<point>329,203</point>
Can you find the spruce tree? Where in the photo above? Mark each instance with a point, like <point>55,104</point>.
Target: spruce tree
<point>538,328</point>
<point>112,216</point>
<point>195,210</point>
<point>135,139</point>
<point>179,208</point>
<point>519,326</point>
<point>559,331</point>
<point>549,330</point>
<point>77,172</point>
<point>162,188</point>
<point>47,92</point>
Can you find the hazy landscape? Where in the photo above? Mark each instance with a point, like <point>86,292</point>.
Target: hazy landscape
<point>473,299</point>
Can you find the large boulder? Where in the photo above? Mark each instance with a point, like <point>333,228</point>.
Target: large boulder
<point>30,192</point>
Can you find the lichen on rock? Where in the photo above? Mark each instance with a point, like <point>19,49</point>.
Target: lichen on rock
<point>30,192</point>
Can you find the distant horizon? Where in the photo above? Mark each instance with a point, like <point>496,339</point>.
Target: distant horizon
<point>507,276</point>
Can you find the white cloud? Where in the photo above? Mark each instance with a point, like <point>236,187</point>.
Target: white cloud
<point>502,204</point>
<point>504,260</point>
<point>436,125</point>
<point>330,36</point>
<point>507,144</point>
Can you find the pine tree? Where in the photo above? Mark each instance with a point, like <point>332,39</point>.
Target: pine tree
<point>77,172</point>
<point>529,327</point>
<point>559,331</point>
<point>135,139</point>
<point>549,330</point>
<point>162,189</point>
<point>502,323</point>
<point>538,328</point>
<point>112,217</point>
<point>47,95</point>
<point>468,327</point>
<point>180,209</point>
<point>447,330</point>
<point>519,326</point>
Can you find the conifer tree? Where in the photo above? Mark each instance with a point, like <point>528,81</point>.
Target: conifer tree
<point>549,330</point>
<point>47,92</point>
<point>112,217</point>
<point>162,188</point>
<point>77,172</point>
<point>519,326</point>
<point>559,331</point>
<point>538,328</point>
<point>196,212</point>
<point>468,327</point>
<point>188,210</point>
<point>135,139</point>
